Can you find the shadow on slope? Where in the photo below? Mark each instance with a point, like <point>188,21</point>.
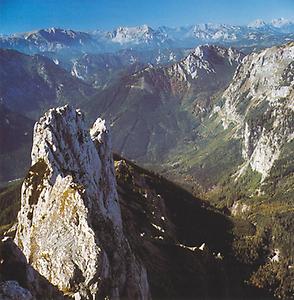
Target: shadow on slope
<point>185,244</point>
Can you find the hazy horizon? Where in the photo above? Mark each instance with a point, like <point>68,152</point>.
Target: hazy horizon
<point>21,16</point>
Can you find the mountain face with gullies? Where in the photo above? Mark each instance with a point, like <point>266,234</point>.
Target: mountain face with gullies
<point>259,102</point>
<point>254,115</point>
<point>102,69</point>
<point>155,109</point>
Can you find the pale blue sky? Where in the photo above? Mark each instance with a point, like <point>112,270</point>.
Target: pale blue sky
<point>25,15</point>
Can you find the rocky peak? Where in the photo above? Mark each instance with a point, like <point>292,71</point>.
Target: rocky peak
<point>140,34</point>
<point>206,59</point>
<point>208,51</point>
<point>69,200</point>
<point>257,24</point>
<point>101,137</point>
<point>56,35</point>
<point>134,31</point>
<point>280,22</point>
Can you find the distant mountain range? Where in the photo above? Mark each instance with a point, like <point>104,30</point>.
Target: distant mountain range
<point>256,34</point>
<point>99,57</point>
<point>216,119</point>
<point>100,69</point>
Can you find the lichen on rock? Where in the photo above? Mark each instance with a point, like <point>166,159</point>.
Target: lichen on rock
<point>70,227</point>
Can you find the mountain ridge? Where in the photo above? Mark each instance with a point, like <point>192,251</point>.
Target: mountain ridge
<point>159,107</point>
<point>142,37</point>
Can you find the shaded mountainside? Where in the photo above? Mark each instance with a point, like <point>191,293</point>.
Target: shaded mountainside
<point>10,204</point>
<point>156,109</point>
<point>180,235</point>
<point>31,84</point>
<point>16,140</point>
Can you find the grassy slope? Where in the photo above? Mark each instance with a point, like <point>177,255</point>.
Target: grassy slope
<point>208,167</point>
<point>270,207</point>
<point>9,205</point>
<point>205,162</point>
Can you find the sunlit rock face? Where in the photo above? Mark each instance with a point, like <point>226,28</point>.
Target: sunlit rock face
<point>259,102</point>
<point>19,281</point>
<point>70,227</point>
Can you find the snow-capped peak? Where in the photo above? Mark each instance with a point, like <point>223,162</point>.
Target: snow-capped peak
<point>280,22</point>
<point>138,34</point>
<point>51,30</point>
<point>135,31</point>
<point>257,24</point>
<point>204,58</point>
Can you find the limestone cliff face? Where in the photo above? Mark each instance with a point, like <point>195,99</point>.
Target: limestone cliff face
<point>19,281</point>
<point>70,226</point>
<point>260,104</point>
<point>201,70</point>
<point>198,71</point>
<point>203,60</point>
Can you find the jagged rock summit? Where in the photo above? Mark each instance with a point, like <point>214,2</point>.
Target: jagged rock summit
<point>205,60</point>
<point>70,227</point>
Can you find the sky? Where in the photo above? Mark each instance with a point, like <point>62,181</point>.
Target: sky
<point>26,15</point>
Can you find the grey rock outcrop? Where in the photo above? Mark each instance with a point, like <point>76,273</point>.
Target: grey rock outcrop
<point>70,227</point>
<point>259,103</point>
<point>204,60</point>
<point>19,280</point>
